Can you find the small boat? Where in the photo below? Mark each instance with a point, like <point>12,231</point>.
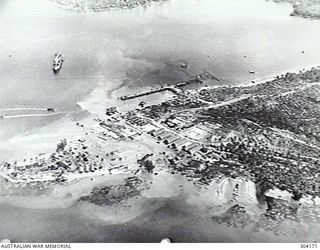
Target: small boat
<point>57,62</point>
<point>184,65</point>
<point>252,72</point>
<point>50,110</point>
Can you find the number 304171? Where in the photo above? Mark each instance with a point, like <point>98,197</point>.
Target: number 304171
<point>309,245</point>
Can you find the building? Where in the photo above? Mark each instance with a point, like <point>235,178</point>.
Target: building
<point>193,148</point>
<point>156,133</point>
<point>179,144</point>
<point>172,139</point>
<point>164,135</point>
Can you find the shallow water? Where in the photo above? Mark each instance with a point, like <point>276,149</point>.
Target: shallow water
<point>173,219</point>
<point>184,216</point>
<point>143,46</point>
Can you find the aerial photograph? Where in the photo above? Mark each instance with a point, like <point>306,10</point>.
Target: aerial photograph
<point>146,121</point>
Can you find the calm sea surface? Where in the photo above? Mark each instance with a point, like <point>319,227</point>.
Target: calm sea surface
<point>137,48</point>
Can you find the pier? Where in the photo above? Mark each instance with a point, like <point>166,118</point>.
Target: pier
<point>173,88</point>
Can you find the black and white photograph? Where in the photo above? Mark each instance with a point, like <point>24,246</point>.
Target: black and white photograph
<point>149,121</point>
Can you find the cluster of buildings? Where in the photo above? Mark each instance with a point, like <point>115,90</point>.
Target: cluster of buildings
<point>133,119</point>
<point>177,103</point>
<point>111,111</point>
<point>73,160</point>
<point>235,140</point>
<point>175,141</point>
<point>178,123</point>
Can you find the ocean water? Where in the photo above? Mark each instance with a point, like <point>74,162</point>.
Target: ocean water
<point>139,48</point>
<point>127,50</point>
<point>174,219</point>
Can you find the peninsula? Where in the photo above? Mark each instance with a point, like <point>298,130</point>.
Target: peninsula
<point>262,133</point>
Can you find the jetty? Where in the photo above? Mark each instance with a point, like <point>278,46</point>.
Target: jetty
<point>176,89</point>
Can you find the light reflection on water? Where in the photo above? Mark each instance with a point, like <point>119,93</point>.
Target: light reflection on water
<point>143,46</point>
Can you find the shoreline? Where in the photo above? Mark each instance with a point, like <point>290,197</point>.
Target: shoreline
<point>98,9</point>
<point>269,78</point>
<point>305,9</point>
<point>113,100</point>
<point>226,151</point>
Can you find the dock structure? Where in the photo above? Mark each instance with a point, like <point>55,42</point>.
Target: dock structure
<point>149,92</point>
<point>173,88</point>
